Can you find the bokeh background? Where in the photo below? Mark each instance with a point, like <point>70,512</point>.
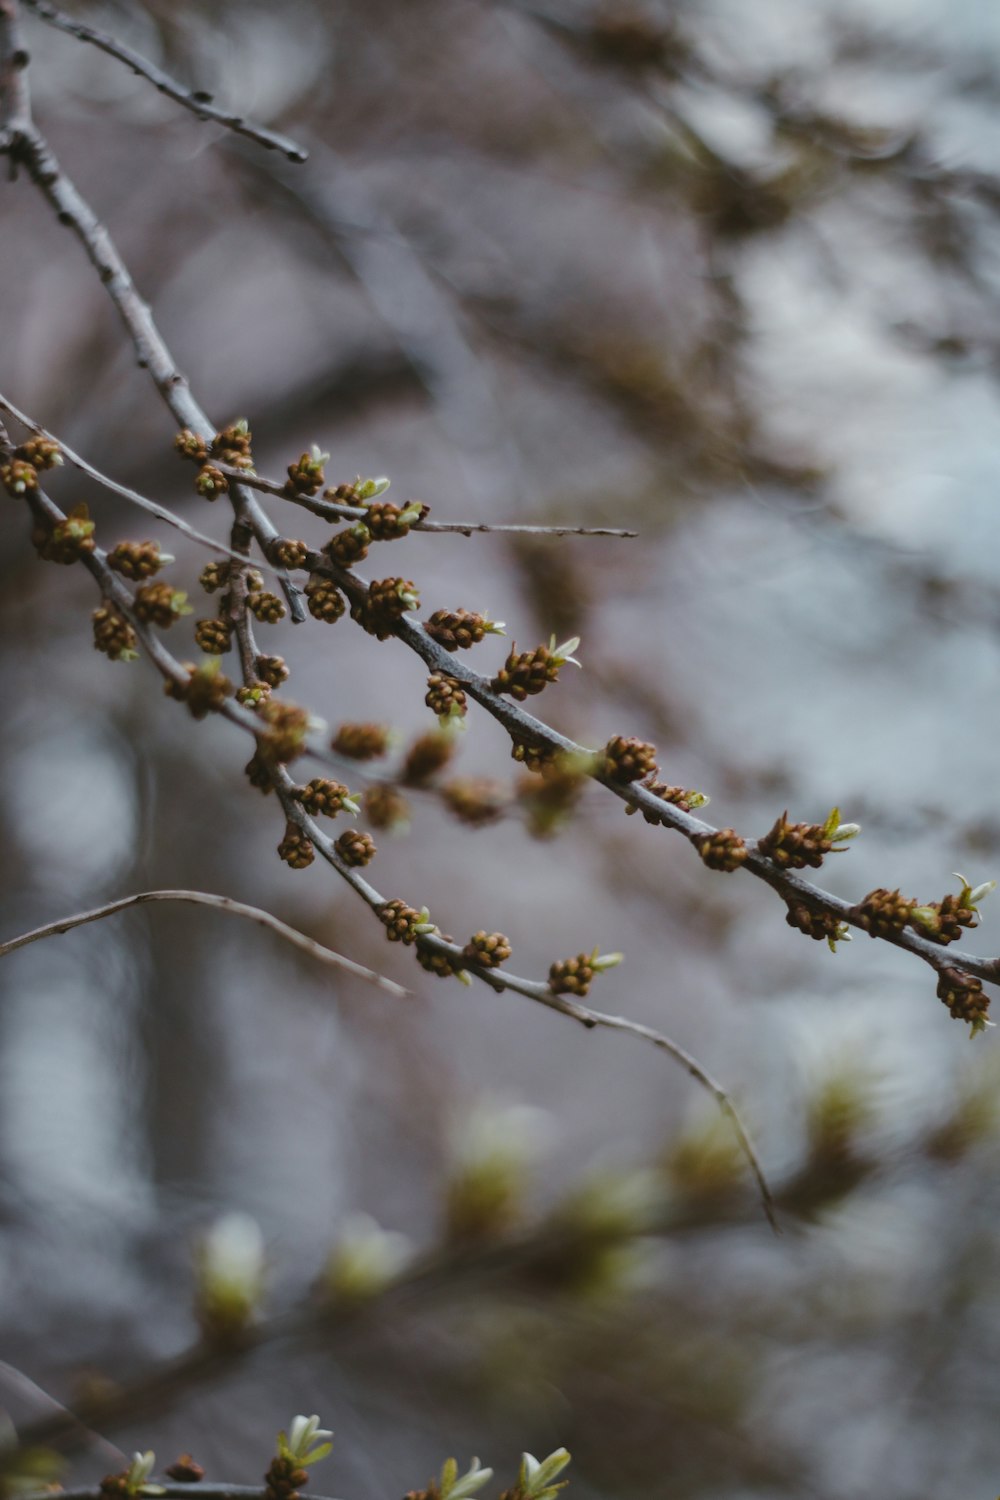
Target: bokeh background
<point>726,274</point>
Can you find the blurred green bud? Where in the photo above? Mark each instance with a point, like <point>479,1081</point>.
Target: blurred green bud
<point>705,1161</point>
<point>230,1277</point>
<point>493,1154</point>
<point>24,1471</point>
<point>365,1260</point>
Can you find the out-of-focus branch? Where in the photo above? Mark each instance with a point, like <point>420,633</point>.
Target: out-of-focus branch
<point>15,103</point>
<point>225,904</point>
<point>195,100</point>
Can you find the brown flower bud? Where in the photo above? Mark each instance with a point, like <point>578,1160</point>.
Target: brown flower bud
<point>723,850</point>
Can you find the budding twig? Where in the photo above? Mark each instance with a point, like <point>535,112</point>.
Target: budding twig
<point>331,510</point>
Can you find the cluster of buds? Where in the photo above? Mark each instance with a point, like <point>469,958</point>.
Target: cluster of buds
<point>426,756</point>
<point>19,475</point>
<point>356,848</point>
<point>287,727</point>
<point>526,673</point>
<point>402,923</point>
<point>326,798</point>
<point>190,445</point>
<point>574,976</point>
<point>476,801</point>
<point>232,446</point>
<point>306,476</point>
<point>682,797</point>
<point>285,552</point>
<point>67,540</point>
<point>488,948</point>
<point>435,962</point>
<point>324,599</point>
<point>628,759</point>
<point>306,1443</point>
<point>883,913</point>
<point>113,634</point>
<point>211,482</point>
<point>386,601</point>
<point>794,846</point>
<point>445,697</point>
<point>457,630</point>
<point>252,694</point>
<point>214,636</point>
<point>271,669</point>
<point>41,452</point>
<point>942,921</point>
<point>386,808</point>
<point>817,925</point>
<point>722,850</point>
<point>345,548</point>
<point>361,741</point>
<point>160,604</point>
<point>386,522</point>
<point>538,758</point>
<point>963,994</point>
<point>137,560</point>
<point>295,848</point>
<point>266,607</point>
<point>216,575</point>
<point>205,690</point>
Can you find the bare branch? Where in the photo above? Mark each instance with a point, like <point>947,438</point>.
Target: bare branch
<point>225,904</point>
<point>198,102</point>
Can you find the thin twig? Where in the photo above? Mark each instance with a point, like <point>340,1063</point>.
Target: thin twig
<point>331,510</point>
<point>226,904</point>
<point>195,100</point>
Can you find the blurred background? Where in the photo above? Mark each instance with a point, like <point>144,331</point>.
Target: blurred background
<point>724,274</point>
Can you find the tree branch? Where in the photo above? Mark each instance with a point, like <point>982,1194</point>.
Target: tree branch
<point>198,102</point>
<point>225,904</point>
